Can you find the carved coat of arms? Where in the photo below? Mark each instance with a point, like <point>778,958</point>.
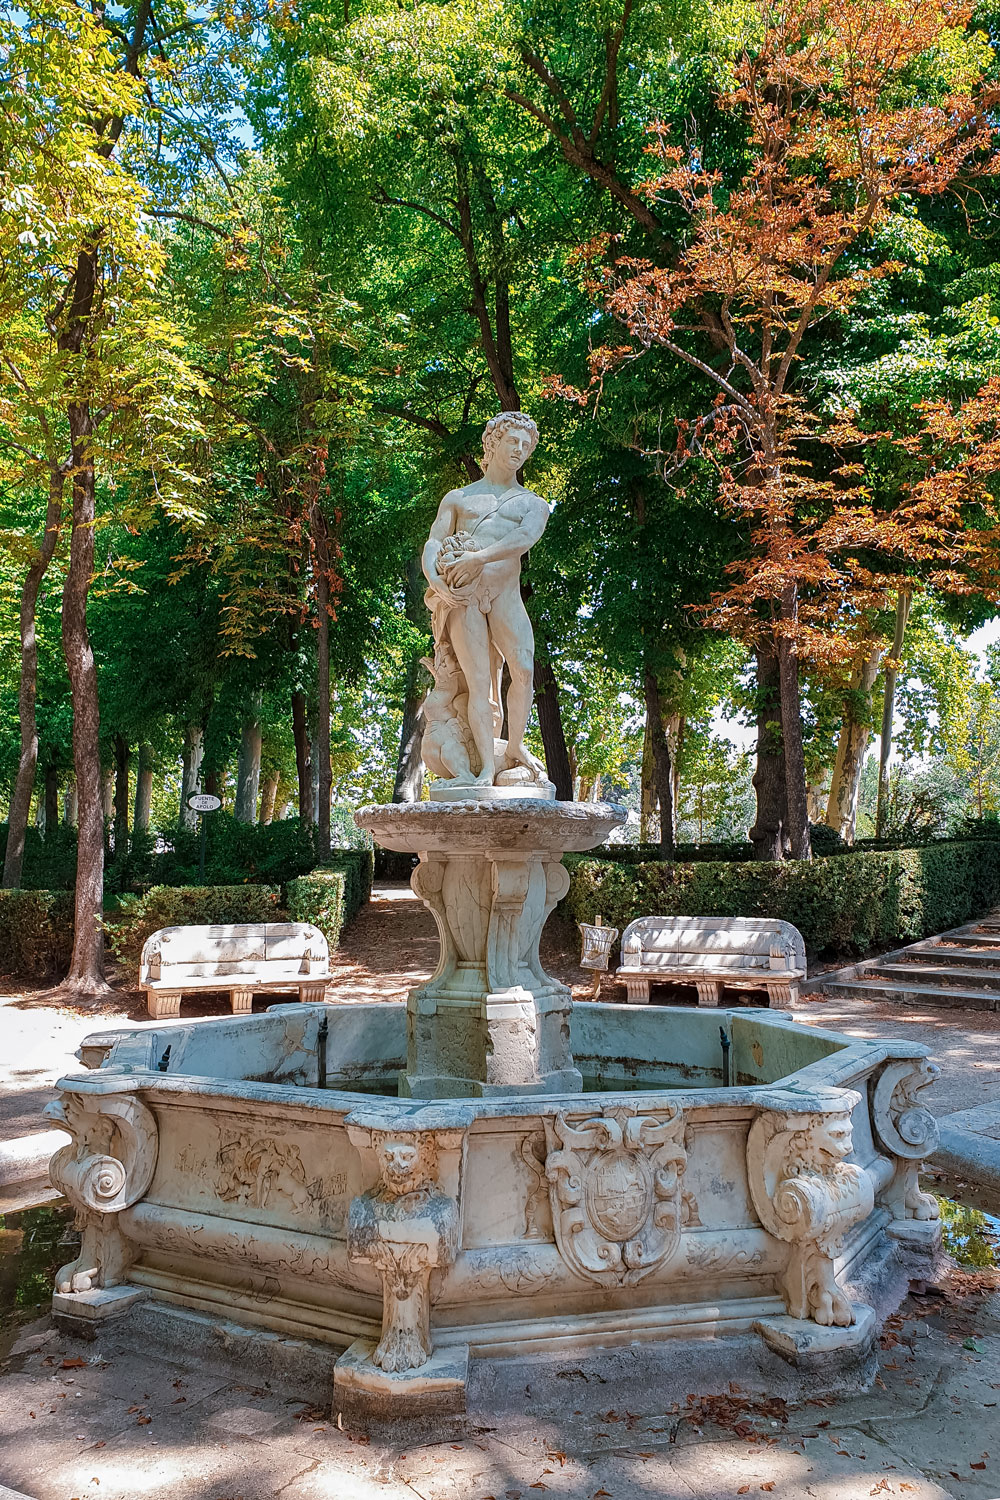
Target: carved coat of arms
<point>615,1190</point>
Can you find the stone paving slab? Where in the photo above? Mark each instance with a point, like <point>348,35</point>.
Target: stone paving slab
<point>126,1425</point>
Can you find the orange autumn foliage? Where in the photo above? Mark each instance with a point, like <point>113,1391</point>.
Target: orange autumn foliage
<point>837,133</point>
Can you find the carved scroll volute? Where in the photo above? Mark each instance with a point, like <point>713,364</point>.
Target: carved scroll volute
<point>904,1126</point>
<point>108,1166</point>
<point>426,882</point>
<point>557,883</point>
<point>909,1132</point>
<point>505,940</point>
<point>807,1194</point>
<point>110,1162</point>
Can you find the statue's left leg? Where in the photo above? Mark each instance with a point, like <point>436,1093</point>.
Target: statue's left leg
<point>511,632</point>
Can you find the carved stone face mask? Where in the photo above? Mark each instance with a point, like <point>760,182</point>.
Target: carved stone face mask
<point>398,1160</point>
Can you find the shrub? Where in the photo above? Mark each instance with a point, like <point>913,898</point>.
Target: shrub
<point>843,904</point>
<point>235,854</point>
<point>329,897</point>
<point>49,859</point>
<point>138,917</point>
<point>36,932</point>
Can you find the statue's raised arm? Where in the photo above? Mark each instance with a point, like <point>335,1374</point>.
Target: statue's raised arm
<point>472,562</point>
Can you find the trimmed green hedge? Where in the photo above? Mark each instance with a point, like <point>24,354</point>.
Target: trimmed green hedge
<point>844,904</point>
<point>36,932</point>
<point>138,917</point>
<point>331,896</point>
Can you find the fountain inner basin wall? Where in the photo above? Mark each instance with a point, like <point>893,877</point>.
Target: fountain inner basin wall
<point>265,1174</point>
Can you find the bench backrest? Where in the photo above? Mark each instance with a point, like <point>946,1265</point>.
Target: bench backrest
<point>718,942</point>
<point>278,949</point>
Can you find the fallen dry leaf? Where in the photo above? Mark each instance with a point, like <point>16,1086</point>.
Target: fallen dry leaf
<point>768,1484</point>
<point>744,1489</point>
<point>76,1363</point>
<point>977,1466</point>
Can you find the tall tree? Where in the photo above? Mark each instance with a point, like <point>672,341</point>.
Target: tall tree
<point>835,133</point>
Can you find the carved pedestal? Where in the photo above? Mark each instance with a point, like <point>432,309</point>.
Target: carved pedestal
<point>108,1166</point>
<point>490,1020</point>
<point>807,1194</point>
<point>405,1229</point>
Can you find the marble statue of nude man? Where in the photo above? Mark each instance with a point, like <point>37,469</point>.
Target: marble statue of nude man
<point>472,562</point>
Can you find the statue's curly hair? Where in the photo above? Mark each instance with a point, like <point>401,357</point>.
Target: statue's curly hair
<point>497,426</point>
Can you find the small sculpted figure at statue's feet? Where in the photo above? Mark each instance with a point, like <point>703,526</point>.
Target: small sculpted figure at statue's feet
<point>472,562</point>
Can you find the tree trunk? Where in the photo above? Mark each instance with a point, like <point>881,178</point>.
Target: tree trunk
<point>796,796</point>
<point>553,735</point>
<point>248,767</point>
<point>324,768</point>
<point>86,970</point>
<point>69,803</point>
<point>845,786</point>
<point>143,790</point>
<point>663,780</point>
<point>20,805</point>
<point>767,833</point>
<point>268,793</point>
<point>903,601</point>
<point>194,751</point>
<point>121,796</point>
<point>647,788</point>
<point>409,780</point>
<point>303,756</point>
<point>212,784</point>
<point>51,798</point>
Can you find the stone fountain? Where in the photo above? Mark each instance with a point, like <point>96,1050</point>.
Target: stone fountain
<point>412,1207</point>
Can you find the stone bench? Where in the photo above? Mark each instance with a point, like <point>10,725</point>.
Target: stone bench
<point>749,953</point>
<point>243,958</point>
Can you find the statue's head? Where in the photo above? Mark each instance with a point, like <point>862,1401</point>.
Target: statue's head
<point>517,428</point>
<point>406,1162</point>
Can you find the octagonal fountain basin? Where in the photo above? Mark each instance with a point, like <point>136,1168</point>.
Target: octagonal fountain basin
<point>262,1170</point>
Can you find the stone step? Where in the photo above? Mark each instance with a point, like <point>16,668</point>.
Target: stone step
<point>911,994</point>
<point>979,939</point>
<point>979,958</point>
<point>923,973</point>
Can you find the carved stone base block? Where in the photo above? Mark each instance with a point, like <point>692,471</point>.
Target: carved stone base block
<point>918,1234</point>
<point>490,1020</point>
<point>80,1313</point>
<point>800,1341</point>
<point>429,1401</point>
<point>450,791</point>
<point>313,993</point>
<point>162,1005</point>
<point>241,1002</point>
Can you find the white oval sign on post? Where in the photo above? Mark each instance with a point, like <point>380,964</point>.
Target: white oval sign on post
<point>204,802</point>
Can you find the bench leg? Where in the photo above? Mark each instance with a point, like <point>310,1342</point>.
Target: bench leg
<point>636,991</point>
<point>313,993</point>
<point>240,1001</point>
<point>709,991</point>
<point>783,994</point>
<point>162,1004</point>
